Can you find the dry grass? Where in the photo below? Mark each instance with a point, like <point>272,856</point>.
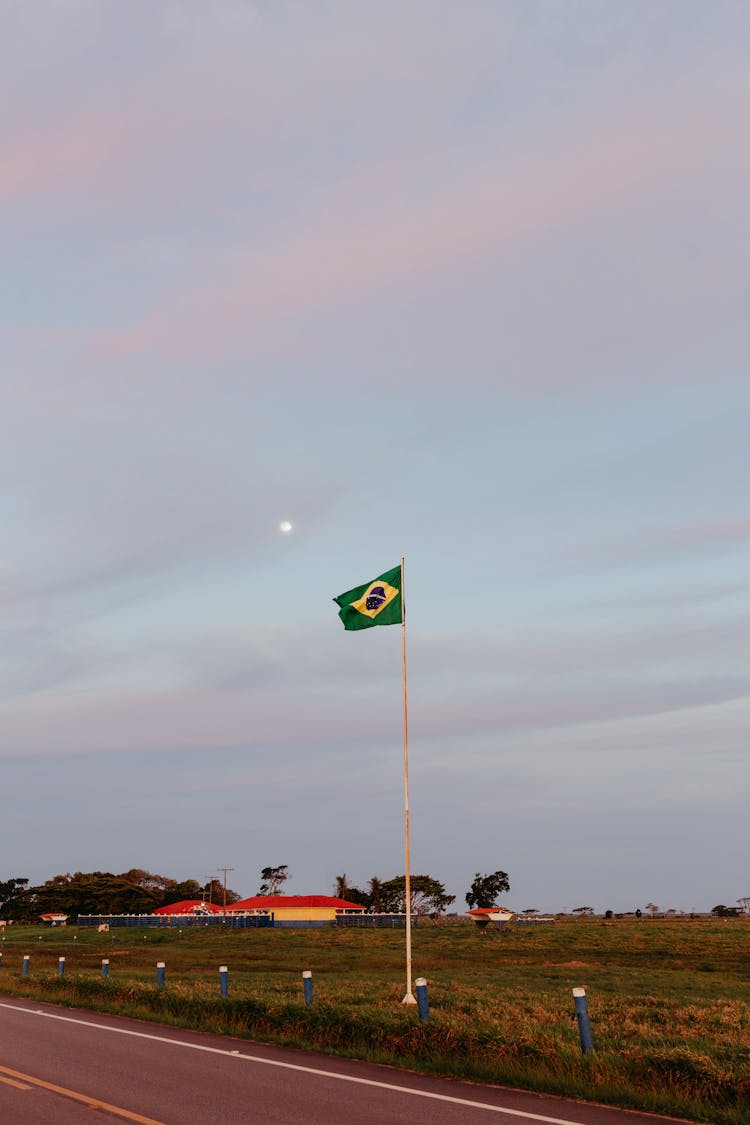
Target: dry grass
<point>669,1001</point>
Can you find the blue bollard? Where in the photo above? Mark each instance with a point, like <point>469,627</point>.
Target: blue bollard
<point>224,981</point>
<point>105,967</point>
<point>307,987</point>
<point>61,966</point>
<point>423,1006</point>
<point>160,974</point>
<point>25,968</point>
<point>584,1024</point>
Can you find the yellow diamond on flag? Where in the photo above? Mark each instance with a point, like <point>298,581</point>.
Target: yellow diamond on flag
<point>373,603</point>
<point>376,597</point>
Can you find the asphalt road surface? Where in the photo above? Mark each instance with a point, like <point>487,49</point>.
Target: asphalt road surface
<point>64,1067</point>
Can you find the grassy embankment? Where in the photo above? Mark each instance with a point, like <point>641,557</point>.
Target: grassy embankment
<point>669,1001</point>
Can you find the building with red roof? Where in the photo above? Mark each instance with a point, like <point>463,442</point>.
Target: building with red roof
<point>188,906</point>
<point>296,908</point>
<point>55,918</point>
<point>483,915</point>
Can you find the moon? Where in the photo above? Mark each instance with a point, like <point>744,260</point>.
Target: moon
<point>285,527</point>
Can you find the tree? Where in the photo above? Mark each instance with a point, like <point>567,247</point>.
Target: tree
<point>427,895</point>
<point>187,889</point>
<point>155,890</point>
<point>583,911</point>
<point>12,896</point>
<point>89,892</point>
<point>722,911</point>
<point>485,889</point>
<point>375,890</point>
<point>100,892</point>
<point>358,897</point>
<point>341,889</point>
<point>652,908</point>
<point>213,891</point>
<point>273,880</point>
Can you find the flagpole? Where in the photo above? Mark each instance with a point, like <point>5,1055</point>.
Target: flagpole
<point>409,997</point>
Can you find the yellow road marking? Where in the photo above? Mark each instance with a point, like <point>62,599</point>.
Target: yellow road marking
<point>12,1082</point>
<point>92,1103</point>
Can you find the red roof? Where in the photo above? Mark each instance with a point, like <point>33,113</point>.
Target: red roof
<point>189,906</point>
<point>489,910</point>
<point>298,902</point>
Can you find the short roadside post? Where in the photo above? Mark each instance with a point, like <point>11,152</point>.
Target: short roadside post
<point>307,987</point>
<point>584,1024</point>
<point>25,966</point>
<point>160,974</point>
<point>105,967</point>
<point>423,1007</point>
<point>61,966</point>
<point>224,981</point>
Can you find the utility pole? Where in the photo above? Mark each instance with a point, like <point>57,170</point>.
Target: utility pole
<point>225,869</point>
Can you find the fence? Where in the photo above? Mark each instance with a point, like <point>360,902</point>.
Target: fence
<point>236,921</point>
<point>368,921</point>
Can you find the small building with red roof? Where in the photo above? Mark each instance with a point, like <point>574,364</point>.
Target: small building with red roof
<point>304,909</point>
<point>189,906</point>
<point>483,915</point>
<point>55,918</point>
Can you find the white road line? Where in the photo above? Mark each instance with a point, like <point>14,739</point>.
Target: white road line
<point>296,1066</point>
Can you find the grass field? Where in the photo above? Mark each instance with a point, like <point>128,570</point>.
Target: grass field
<point>669,1000</point>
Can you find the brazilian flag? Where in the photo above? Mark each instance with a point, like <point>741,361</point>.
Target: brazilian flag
<point>376,603</point>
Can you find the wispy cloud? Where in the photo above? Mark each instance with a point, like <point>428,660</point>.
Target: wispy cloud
<point>387,229</point>
<point>466,285</point>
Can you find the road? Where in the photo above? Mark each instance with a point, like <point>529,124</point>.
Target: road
<point>58,1065</point>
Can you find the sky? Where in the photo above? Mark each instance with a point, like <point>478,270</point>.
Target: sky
<point>465,283</point>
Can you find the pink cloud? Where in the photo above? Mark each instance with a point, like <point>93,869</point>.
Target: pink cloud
<point>112,140</point>
<point>696,537</point>
<point>200,718</point>
<point>406,221</point>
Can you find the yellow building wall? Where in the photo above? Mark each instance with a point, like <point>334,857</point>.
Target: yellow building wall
<point>304,913</point>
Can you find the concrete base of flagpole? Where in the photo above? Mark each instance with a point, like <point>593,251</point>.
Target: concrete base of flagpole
<point>408,999</point>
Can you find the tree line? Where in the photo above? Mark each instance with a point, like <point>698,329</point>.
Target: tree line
<point>141,892</point>
<point>427,894</point>
<point>102,892</point>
